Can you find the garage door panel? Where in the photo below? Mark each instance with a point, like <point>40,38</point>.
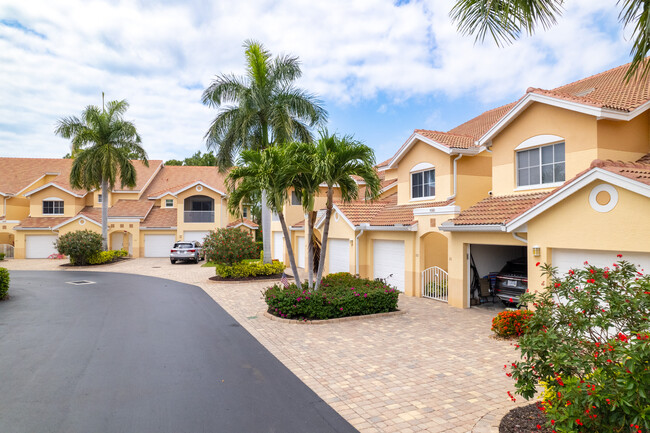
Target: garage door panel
<point>278,246</point>
<point>565,259</point>
<point>39,247</point>
<point>195,235</point>
<point>301,251</point>
<point>339,255</point>
<point>389,258</point>
<point>158,245</point>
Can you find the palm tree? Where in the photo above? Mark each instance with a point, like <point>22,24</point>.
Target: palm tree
<point>306,187</point>
<point>102,144</point>
<point>336,160</point>
<point>506,20</point>
<point>258,110</point>
<point>267,171</point>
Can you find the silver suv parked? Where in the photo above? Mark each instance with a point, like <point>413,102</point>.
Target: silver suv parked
<point>189,250</point>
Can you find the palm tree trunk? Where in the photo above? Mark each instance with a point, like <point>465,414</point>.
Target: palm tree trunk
<point>104,215</point>
<point>287,241</point>
<point>266,230</point>
<point>310,249</point>
<point>326,231</point>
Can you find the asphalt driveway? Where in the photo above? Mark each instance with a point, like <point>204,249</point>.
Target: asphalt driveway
<point>132,353</point>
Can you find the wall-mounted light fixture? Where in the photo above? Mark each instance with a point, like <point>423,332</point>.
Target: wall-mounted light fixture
<point>537,251</point>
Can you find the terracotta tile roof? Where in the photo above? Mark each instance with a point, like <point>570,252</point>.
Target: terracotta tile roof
<point>480,124</point>
<point>456,141</point>
<point>143,175</point>
<point>300,223</point>
<point>606,89</point>
<point>639,172</point>
<point>383,163</point>
<point>498,209</point>
<point>93,213</point>
<point>41,222</point>
<point>162,218</point>
<point>173,178</point>
<point>384,212</point>
<point>130,208</point>
<point>241,221</point>
<point>645,159</point>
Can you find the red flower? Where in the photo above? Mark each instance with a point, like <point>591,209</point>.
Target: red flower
<point>537,264</point>
<point>619,255</point>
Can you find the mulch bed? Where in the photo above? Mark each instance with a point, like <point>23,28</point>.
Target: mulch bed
<point>524,419</point>
<point>258,278</point>
<point>117,260</point>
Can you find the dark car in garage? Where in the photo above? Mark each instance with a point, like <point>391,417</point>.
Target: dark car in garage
<point>512,281</point>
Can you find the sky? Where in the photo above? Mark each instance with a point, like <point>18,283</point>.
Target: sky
<point>381,68</point>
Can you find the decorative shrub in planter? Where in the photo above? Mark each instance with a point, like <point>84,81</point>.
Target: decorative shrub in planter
<point>511,323</point>
<point>249,269</point>
<point>588,343</point>
<point>340,295</point>
<point>4,283</point>
<point>79,245</point>
<point>229,246</point>
<point>103,257</point>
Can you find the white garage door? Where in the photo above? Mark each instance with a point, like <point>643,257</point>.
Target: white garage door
<point>158,245</point>
<point>278,246</point>
<point>301,251</point>
<point>339,255</point>
<point>195,235</point>
<point>568,259</point>
<point>388,258</point>
<point>39,247</point>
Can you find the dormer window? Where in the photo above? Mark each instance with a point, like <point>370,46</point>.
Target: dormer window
<point>169,202</point>
<point>423,181</point>
<point>295,200</point>
<point>53,207</point>
<point>541,166</point>
<point>99,198</point>
<point>244,212</point>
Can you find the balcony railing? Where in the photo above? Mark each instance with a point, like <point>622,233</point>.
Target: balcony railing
<point>199,216</point>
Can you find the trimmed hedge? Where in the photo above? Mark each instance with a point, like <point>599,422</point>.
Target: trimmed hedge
<point>2,256</point>
<point>340,295</point>
<point>4,283</point>
<point>106,256</point>
<point>511,323</point>
<point>79,245</point>
<point>249,269</point>
<point>229,246</point>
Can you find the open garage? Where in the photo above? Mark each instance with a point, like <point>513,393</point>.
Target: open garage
<point>485,263</point>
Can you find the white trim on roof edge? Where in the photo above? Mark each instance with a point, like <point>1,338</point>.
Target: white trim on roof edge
<point>441,147</point>
<point>175,194</point>
<point>242,224</point>
<point>336,209</point>
<point>74,219</point>
<point>529,98</point>
<point>47,185</point>
<point>448,226</point>
<point>393,228</point>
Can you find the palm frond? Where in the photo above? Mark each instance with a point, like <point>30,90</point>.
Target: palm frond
<point>637,13</point>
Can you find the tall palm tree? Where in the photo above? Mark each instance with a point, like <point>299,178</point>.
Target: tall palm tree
<point>506,20</point>
<point>260,109</point>
<point>267,171</point>
<point>306,187</point>
<point>102,144</point>
<point>336,160</point>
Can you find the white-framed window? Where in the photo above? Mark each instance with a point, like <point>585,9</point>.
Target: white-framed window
<point>541,165</point>
<point>423,184</point>
<point>99,198</point>
<point>275,217</point>
<point>244,212</point>
<point>295,201</point>
<point>52,207</point>
<point>169,202</point>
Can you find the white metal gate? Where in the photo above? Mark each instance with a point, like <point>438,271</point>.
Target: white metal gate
<point>7,250</point>
<point>434,284</point>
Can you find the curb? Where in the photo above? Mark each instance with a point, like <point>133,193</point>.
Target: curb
<point>328,321</point>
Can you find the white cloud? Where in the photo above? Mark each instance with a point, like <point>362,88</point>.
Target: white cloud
<point>160,55</point>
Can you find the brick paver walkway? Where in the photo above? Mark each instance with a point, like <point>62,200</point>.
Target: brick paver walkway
<point>433,369</point>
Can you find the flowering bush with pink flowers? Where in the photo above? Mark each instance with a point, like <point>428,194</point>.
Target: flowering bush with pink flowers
<point>340,295</point>
<point>588,344</point>
<point>229,246</point>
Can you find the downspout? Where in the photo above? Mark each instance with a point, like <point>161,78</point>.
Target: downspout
<point>519,238</point>
<point>453,196</point>
<point>356,246</point>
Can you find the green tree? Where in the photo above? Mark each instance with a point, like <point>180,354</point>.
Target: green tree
<point>102,144</point>
<point>506,20</point>
<point>258,110</point>
<point>266,171</point>
<point>207,159</point>
<point>174,162</point>
<point>335,160</point>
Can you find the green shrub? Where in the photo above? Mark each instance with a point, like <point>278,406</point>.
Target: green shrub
<point>249,269</point>
<point>4,283</point>
<point>340,295</point>
<point>229,246</point>
<point>106,256</point>
<point>79,245</point>
<point>511,323</point>
<point>260,248</point>
<point>2,256</point>
<point>588,344</point>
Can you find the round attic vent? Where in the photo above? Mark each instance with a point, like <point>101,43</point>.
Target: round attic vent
<point>603,198</point>
<point>82,221</point>
<point>199,187</point>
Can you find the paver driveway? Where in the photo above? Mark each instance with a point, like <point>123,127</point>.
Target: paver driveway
<point>138,354</point>
<point>433,369</point>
